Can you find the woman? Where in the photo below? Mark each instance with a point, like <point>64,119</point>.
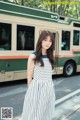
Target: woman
<point>39,102</point>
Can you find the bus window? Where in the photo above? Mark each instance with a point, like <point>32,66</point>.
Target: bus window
<point>76,37</point>
<point>5,36</point>
<point>65,43</point>
<point>25,37</point>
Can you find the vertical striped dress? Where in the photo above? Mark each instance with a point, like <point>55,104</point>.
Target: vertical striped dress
<point>39,101</point>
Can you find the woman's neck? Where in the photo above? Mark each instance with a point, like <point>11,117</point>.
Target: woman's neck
<point>44,52</point>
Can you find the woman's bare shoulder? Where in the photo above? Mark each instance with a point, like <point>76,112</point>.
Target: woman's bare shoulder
<point>32,57</point>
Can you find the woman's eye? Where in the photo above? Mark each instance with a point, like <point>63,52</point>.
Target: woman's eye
<point>47,40</point>
<point>50,40</point>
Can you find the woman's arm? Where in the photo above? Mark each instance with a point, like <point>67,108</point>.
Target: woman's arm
<point>30,70</point>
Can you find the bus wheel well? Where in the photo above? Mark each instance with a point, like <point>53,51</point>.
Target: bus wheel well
<point>69,68</point>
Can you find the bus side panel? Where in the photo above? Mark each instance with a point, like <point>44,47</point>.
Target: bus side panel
<point>13,69</point>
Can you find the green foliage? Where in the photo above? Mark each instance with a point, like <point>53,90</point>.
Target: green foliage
<point>5,0</point>
<point>70,8</point>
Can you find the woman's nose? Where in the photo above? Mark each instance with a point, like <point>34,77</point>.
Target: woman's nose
<point>47,42</point>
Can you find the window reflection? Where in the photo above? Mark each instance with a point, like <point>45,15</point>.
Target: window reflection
<point>5,36</point>
<point>65,43</point>
<point>76,37</point>
<point>25,37</point>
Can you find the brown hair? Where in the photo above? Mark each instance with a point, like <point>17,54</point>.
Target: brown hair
<point>43,36</point>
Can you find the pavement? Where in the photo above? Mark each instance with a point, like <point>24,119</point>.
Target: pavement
<point>67,108</point>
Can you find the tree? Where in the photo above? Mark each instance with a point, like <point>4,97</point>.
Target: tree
<point>62,7</point>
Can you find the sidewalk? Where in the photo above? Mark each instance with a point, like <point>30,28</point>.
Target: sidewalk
<point>67,108</point>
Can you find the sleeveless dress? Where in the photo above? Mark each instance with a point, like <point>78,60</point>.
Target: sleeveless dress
<point>39,101</point>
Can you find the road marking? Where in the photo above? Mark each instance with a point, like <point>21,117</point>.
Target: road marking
<point>15,91</point>
<point>17,117</point>
<point>56,82</point>
<point>22,89</point>
<point>59,101</point>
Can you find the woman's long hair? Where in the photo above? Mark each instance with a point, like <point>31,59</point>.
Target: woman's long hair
<point>43,36</point>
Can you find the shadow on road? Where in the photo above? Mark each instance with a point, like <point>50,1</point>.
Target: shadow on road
<point>12,83</point>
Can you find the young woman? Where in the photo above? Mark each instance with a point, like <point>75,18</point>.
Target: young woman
<point>39,102</point>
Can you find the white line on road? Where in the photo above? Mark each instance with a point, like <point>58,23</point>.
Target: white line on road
<point>16,91</point>
<point>56,82</point>
<point>21,89</point>
<point>67,97</point>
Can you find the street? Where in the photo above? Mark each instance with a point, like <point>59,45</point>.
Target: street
<point>12,93</point>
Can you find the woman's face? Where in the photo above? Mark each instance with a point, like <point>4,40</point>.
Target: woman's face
<point>46,43</point>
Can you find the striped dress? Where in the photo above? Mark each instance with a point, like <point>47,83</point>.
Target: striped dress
<point>39,102</point>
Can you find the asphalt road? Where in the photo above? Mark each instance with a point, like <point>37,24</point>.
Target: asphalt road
<point>12,93</point>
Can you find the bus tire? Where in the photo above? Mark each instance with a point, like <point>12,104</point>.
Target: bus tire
<point>69,69</point>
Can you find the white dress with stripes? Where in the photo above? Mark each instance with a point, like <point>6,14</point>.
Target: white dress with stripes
<point>39,102</point>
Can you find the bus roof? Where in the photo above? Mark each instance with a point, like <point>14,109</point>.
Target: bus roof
<point>19,10</point>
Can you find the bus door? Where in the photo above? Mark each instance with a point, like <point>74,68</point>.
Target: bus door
<point>56,51</point>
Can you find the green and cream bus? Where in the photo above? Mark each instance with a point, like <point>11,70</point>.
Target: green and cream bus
<point>20,27</point>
